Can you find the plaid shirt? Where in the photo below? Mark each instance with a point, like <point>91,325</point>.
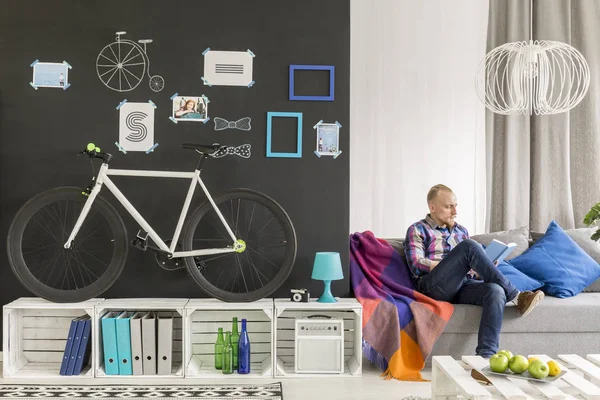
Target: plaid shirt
<point>426,242</point>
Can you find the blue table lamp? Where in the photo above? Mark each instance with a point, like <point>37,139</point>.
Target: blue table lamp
<point>327,268</point>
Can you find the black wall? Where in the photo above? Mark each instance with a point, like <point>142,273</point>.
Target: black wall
<point>40,131</point>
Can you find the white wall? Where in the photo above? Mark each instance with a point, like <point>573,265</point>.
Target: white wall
<point>416,119</point>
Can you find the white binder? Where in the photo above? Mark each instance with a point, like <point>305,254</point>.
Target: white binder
<point>165,343</point>
<point>136,343</point>
<point>149,343</point>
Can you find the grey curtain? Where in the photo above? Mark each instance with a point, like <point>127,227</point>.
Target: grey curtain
<point>541,168</point>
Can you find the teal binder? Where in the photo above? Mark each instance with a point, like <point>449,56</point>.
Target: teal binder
<point>124,343</point>
<point>109,343</point>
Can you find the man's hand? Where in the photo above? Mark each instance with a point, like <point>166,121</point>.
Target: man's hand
<point>433,265</point>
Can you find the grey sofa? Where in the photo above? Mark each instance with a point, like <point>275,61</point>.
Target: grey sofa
<point>556,326</point>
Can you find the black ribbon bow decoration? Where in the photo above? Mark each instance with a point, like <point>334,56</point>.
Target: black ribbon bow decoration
<point>241,124</point>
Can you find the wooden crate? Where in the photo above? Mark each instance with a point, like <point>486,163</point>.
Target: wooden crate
<point>286,313</point>
<point>203,318</point>
<point>35,334</point>
<point>139,304</point>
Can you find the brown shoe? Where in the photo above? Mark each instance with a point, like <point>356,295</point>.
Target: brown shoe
<point>527,301</point>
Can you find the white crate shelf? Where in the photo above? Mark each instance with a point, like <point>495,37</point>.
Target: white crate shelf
<point>35,334</point>
<point>176,306</point>
<point>286,312</point>
<point>204,317</point>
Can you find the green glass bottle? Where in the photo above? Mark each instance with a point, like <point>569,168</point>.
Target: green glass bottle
<point>228,355</point>
<point>219,347</point>
<point>235,338</point>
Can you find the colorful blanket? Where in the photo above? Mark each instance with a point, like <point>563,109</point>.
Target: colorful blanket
<point>400,325</point>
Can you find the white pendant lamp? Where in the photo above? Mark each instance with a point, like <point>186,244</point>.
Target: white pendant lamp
<point>539,77</point>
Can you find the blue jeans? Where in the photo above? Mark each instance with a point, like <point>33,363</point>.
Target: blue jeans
<point>448,282</point>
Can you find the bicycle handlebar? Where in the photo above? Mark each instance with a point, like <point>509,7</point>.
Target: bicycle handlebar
<point>94,152</point>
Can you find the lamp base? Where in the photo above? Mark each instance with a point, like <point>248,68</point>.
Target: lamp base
<point>327,297</point>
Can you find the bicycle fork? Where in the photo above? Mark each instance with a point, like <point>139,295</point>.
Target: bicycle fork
<point>87,206</point>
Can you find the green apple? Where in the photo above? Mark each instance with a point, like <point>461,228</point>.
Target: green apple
<point>538,369</point>
<point>518,364</point>
<point>507,353</point>
<point>498,363</point>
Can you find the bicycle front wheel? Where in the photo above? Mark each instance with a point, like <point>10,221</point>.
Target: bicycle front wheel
<point>121,65</point>
<point>39,259</point>
<point>270,246</point>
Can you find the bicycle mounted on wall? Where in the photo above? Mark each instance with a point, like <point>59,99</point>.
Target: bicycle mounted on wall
<point>69,245</point>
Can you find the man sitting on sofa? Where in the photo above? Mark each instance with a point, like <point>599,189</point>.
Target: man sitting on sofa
<point>447,265</point>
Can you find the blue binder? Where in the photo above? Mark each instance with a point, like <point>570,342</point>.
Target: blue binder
<point>124,343</point>
<point>76,343</point>
<point>68,346</point>
<point>85,348</point>
<point>109,343</point>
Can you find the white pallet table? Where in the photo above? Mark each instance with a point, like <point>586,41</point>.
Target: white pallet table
<point>595,358</point>
<point>287,311</point>
<point>587,367</point>
<point>587,389</point>
<point>506,387</point>
<point>203,318</point>
<point>34,337</point>
<point>143,304</point>
<point>451,380</point>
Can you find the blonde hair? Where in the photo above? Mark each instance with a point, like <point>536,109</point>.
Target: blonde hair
<point>433,192</point>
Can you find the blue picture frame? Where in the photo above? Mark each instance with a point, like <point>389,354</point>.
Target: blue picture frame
<point>330,68</point>
<point>274,114</point>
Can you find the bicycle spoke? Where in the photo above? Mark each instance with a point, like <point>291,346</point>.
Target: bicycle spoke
<point>99,260</point>
<point>115,62</point>
<point>131,73</point>
<point>114,54</point>
<point>129,65</point>
<point>125,76</point>
<point>107,72</point>
<point>269,261</point>
<point>114,73</point>
<point>125,58</point>
<point>133,57</point>
<point>250,222</point>
<point>38,249</point>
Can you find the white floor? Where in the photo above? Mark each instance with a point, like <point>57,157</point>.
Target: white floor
<point>371,386</point>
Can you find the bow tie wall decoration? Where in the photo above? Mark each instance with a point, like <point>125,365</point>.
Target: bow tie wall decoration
<point>241,124</point>
<point>242,151</point>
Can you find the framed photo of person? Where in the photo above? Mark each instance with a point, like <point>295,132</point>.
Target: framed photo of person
<point>190,108</point>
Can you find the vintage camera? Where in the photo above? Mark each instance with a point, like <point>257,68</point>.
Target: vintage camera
<point>300,295</point>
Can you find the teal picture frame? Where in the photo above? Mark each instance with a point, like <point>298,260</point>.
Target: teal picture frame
<point>275,114</point>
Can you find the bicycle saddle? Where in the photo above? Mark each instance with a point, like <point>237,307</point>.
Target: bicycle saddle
<point>208,149</point>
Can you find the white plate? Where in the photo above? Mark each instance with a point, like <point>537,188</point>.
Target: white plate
<point>524,375</point>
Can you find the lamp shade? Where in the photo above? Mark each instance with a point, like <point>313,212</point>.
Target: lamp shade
<point>327,267</point>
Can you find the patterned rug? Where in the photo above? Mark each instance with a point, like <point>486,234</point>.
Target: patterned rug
<point>271,391</point>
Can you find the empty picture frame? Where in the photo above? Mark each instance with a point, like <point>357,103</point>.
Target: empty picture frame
<point>270,116</point>
<point>330,68</point>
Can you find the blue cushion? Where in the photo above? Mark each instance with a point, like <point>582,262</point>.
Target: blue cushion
<point>517,278</point>
<point>559,262</point>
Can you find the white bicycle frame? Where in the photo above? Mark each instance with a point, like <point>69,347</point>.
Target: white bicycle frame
<point>103,179</point>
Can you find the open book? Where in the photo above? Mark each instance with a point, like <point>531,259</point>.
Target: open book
<point>498,251</point>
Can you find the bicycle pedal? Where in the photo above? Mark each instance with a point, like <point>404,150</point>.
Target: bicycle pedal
<point>140,241</point>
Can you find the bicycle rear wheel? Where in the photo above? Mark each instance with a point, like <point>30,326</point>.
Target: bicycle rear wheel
<point>36,250</point>
<point>267,260</point>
